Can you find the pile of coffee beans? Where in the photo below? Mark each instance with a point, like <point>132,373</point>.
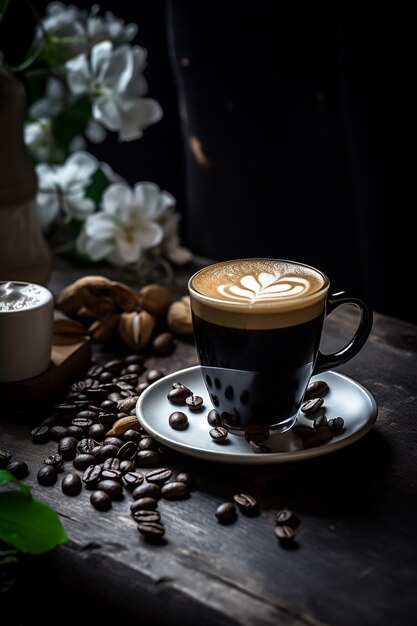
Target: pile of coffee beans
<point>19,469</point>
<point>322,429</point>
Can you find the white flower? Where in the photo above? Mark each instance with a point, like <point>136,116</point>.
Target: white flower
<point>38,138</point>
<point>62,188</point>
<point>110,28</point>
<point>53,102</point>
<point>127,225</point>
<point>114,79</point>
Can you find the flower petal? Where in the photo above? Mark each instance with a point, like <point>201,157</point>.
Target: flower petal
<point>117,199</point>
<point>150,234</point>
<point>101,55</point>
<point>106,110</point>
<point>77,171</point>
<point>136,115</point>
<point>119,70</point>
<point>146,198</point>
<point>47,208</point>
<point>100,226</point>
<point>78,74</point>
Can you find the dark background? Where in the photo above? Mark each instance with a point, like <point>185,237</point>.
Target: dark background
<point>294,107</point>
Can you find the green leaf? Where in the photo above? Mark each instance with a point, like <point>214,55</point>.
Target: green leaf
<point>3,7</point>
<point>71,122</point>
<point>25,523</point>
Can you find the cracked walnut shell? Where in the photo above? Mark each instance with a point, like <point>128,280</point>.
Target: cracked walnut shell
<point>136,328</point>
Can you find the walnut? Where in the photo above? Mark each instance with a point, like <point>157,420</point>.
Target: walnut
<point>96,296</point>
<point>101,330</point>
<point>155,299</point>
<point>179,317</point>
<point>136,328</point>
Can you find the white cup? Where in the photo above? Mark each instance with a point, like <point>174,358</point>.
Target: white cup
<point>26,329</point>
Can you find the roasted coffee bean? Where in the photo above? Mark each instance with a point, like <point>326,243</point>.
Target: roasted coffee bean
<point>284,533</point>
<point>143,504</point>
<point>83,423</point>
<point>218,434</point>
<point>336,425</point>
<point>106,451</point>
<point>128,451</point>
<point>57,432</point>
<point>245,502</point>
<point>71,484</point>
<point>154,375</point>
<point>100,500</point>
<point>324,433</point>
<point>19,469</point>
<point>92,476</point>
<point>321,420</point>
<point>140,387</point>
<point>133,369</point>
<point>134,358</point>
<point>178,420</point>
<point>111,474</point>
<point>47,475</point>
<point>151,530</point>
<point>148,443</point>
<point>97,432</point>
<point>159,476</point>
<point>315,389</point>
<point>112,463</point>
<point>55,460</point>
<point>107,419</point>
<point>226,513</point>
<point>148,458</point>
<point>127,466</point>
<point>178,385</point>
<point>94,371</point>
<point>81,402</point>
<point>147,490</point>
<point>194,403</point>
<point>257,433</point>
<point>87,415</point>
<point>113,488</point>
<point>259,448</point>
<point>78,386</point>
<point>214,418</point>
<point>114,366</point>
<point>311,406</point>
<point>86,445</point>
<point>96,395</point>
<point>66,409</point>
<point>124,385</point>
<point>163,344</point>
<point>132,435</point>
<point>67,447</point>
<point>82,461</point>
<point>286,517</point>
<point>184,477</point>
<point>179,394</point>
<point>175,489</point>
<point>75,431</point>
<point>106,377</point>
<point>108,406</point>
<point>127,405</point>
<point>132,480</point>
<point>146,516</point>
<point>303,431</point>
<point>321,435</point>
<point>5,458</point>
<point>114,441</point>
<point>40,434</point>
<point>51,420</point>
<point>115,396</point>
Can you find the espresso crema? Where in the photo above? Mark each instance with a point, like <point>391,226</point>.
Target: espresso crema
<point>258,293</point>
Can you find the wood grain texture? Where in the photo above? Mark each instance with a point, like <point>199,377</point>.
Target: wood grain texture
<point>355,557</point>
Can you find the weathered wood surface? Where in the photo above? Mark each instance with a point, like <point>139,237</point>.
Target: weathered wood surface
<point>355,559</point>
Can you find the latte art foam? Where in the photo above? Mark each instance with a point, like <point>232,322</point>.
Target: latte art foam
<point>264,286</point>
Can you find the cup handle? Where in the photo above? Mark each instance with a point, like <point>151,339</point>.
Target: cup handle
<point>328,361</point>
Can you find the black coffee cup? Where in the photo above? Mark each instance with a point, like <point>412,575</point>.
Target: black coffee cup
<point>258,325</point>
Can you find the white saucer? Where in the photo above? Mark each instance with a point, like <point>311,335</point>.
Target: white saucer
<point>345,398</point>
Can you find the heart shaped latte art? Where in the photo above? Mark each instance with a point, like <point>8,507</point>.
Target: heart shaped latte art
<point>265,286</point>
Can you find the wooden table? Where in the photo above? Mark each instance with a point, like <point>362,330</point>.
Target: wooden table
<point>355,561</point>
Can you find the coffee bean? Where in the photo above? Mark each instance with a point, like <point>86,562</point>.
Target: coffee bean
<point>67,448</point>
<point>51,420</point>
<point>259,448</point>
<point>97,432</point>
<point>194,403</point>
<point>214,418</point>
<point>151,530</point>
<point>140,388</point>
<point>115,396</point>
<point>146,516</point>
<point>315,389</point>
<point>302,431</point>
<point>92,476</point>
<point>83,423</point>
<point>154,375</point>
<point>147,490</point>
<point>174,489</point>
<point>71,484</point>
<point>66,409</point>
<point>86,445</point>
<point>258,433</point>
<point>132,480</point>
<point>159,476</point>
<point>148,443</point>
<point>184,477</point>
<point>218,434</point>
<point>96,395</point>
<point>87,415</point>
<point>321,420</point>
<point>324,433</point>
<point>104,451</point>
<point>5,458</point>
<point>47,475</point>
<point>246,502</point>
<point>78,386</point>
<point>178,420</point>
<point>111,474</point>
<point>320,436</point>
<point>113,441</point>
<point>55,460</point>
<point>134,358</point>
<point>82,461</point>
<point>132,435</point>
<point>106,377</point>
<point>100,500</point>
<point>286,517</point>
<point>124,385</point>
<point>94,371</point>
<point>40,434</point>
<point>112,463</point>
<point>108,406</point>
<point>127,405</point>
<point>336,425</point>
<point>19,469</point>
<point>143,504</point>
<point>75,431</point>
<point>284,533</point>
<point>311,406</point>
<point>107,419</point>
<point>131,375</point>
<point>57,432</point>
<point>179,394</point>
<point>128,451</point>
<point>163,344</point>
<point>226,513</point>
<point>127,466</point>
<point>113,488</point>
<point>147,458</point>
<point>114,366</point>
